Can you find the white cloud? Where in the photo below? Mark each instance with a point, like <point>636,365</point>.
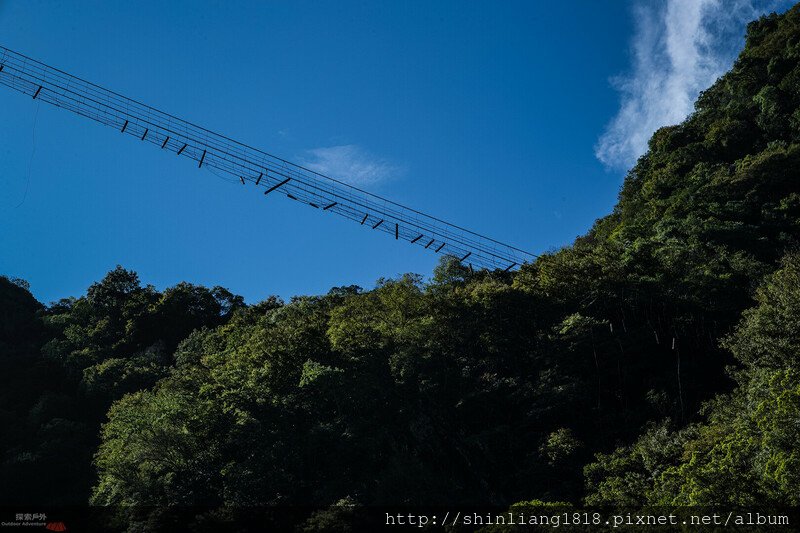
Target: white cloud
<point>350,164</point>
<point>680,48</point>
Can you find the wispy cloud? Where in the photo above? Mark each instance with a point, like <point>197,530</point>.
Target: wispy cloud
<point>680,48</point>
<point>351,164</point>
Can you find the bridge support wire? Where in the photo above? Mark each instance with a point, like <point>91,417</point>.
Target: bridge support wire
<point>221,153</point>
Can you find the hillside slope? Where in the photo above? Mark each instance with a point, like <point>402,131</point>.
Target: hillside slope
<point>579,378</point>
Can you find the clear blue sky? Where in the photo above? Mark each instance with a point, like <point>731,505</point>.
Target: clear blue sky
<point>484,114</point>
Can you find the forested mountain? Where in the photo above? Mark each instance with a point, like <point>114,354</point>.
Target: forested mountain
<point>653,361</point>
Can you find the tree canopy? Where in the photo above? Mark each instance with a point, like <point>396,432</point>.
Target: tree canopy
<point>652,361</point>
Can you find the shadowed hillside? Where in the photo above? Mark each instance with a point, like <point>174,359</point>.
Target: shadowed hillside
<point>633,367</point>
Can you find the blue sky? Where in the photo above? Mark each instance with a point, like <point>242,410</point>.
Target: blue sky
<point>514,119</point>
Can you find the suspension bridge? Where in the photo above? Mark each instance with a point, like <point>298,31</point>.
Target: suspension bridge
<point>267,172</point>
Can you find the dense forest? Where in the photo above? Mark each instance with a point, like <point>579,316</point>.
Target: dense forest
<point>655,361</point>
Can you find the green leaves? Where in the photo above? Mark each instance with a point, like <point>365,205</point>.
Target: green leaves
<point>157,448</point>
<point>746,453</point>
<point>472,387</point>
<point>769,335</point>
